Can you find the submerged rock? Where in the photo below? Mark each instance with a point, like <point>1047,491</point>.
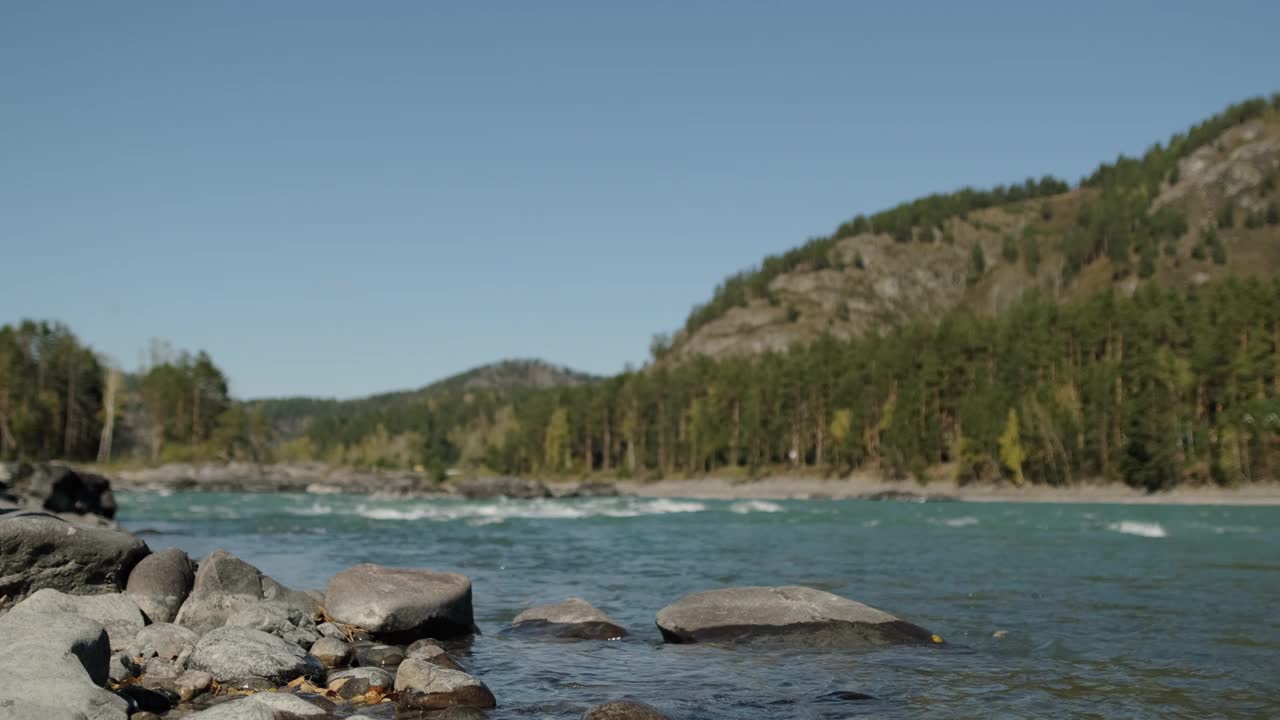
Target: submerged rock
<point>623,710</point>
<point>115,612</point>
<point>233,652</point>
<point>39,550</point>
<point>573,618</point>
<point>161,582</point>
<point>789,614</point>
<point>225,584</point>
<point>400,604</point>
<point>424,686</point>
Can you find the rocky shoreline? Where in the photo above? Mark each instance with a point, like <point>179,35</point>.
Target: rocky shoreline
<point>99,627</point>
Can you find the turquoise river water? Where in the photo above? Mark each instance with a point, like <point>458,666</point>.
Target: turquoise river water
<point>1048,610</point>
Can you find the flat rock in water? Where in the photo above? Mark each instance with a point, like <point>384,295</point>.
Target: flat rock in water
<point>115,612</point>
<point>623,710</point>
<point>573,618</point>
<point>432,653</point>
<point>424,686</point>
<point>225,584</point>
<point>233,652</point>
<point>786,614</point>
<point>161,582</point>
<point>52,666</point>
<point>39,550</point>
<point>400,604</point>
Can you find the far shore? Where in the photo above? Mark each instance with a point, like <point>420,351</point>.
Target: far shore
<point>323,479</point>
<point>788,488</point>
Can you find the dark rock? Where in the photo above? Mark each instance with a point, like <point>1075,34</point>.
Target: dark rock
<point>906,496</point>
<point>623,710</point>
<point>512,487</point>
<point>59,489</point>
<point>142,699</point>
<point>590,489</point>
<point>366,654</point>
<point>784,614</point>
<point>39,550</point>
<point>424,686</point>
<point>358,681</point>
<point>331,652</point>
<point>53,665</point>
<point>225,584</point>
<point>232,652</point>
<point>400,604</point>
<point>161,582</point>
<point>115,612</point>
<point>573,618</point>
<point>844,696</point>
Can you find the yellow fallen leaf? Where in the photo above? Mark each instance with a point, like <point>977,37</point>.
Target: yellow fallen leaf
<point>936,638</point>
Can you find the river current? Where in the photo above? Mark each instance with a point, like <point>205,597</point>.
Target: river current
<point>1048,610</point>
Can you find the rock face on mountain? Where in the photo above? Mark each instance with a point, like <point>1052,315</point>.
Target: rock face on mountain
<point>789,614</point>
<point>39,550</point>
<point>401,604</point>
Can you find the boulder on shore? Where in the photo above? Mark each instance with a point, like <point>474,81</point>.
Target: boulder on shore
<point>424,686</point>
<point>59,489</point>
<point>161,583</point>
<point>401,604</point>
<point>39,550</point>
<point>234,653</point>
<point>787,614</point>
<point>115,612</point>
<point>511,487</point>
<point>225,584</point>
<point>574,618</point>
<point>53,665</point>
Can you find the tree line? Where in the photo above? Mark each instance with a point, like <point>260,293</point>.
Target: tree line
<point>1154,389</point>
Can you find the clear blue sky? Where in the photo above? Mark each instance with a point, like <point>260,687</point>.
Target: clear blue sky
<point>341,198</point>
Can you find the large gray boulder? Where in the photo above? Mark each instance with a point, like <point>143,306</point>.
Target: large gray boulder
<point>400,604</point>
<point>115,612</point>
<point>39,550</point>
<point>161,582</point>
<point>790,614</point>
<point>52,667</point>
<point>279,619</point>
<point>233,653</point>
<point>225,584</point>
<point>423,686</point>
<point>574,618</point>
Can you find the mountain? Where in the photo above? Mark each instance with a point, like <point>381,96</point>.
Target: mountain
<point>1199,207</point>
<point>291,416</point>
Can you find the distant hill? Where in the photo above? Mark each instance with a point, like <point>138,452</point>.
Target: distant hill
<point>1202,206</point>
<point>290,416</point>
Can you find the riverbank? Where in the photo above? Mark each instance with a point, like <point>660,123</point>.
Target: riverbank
<point>863,486</point>
<point>318,478</point>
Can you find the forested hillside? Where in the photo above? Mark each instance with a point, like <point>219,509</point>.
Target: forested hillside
<point>1126,328</point>
<point>1202,205</point>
